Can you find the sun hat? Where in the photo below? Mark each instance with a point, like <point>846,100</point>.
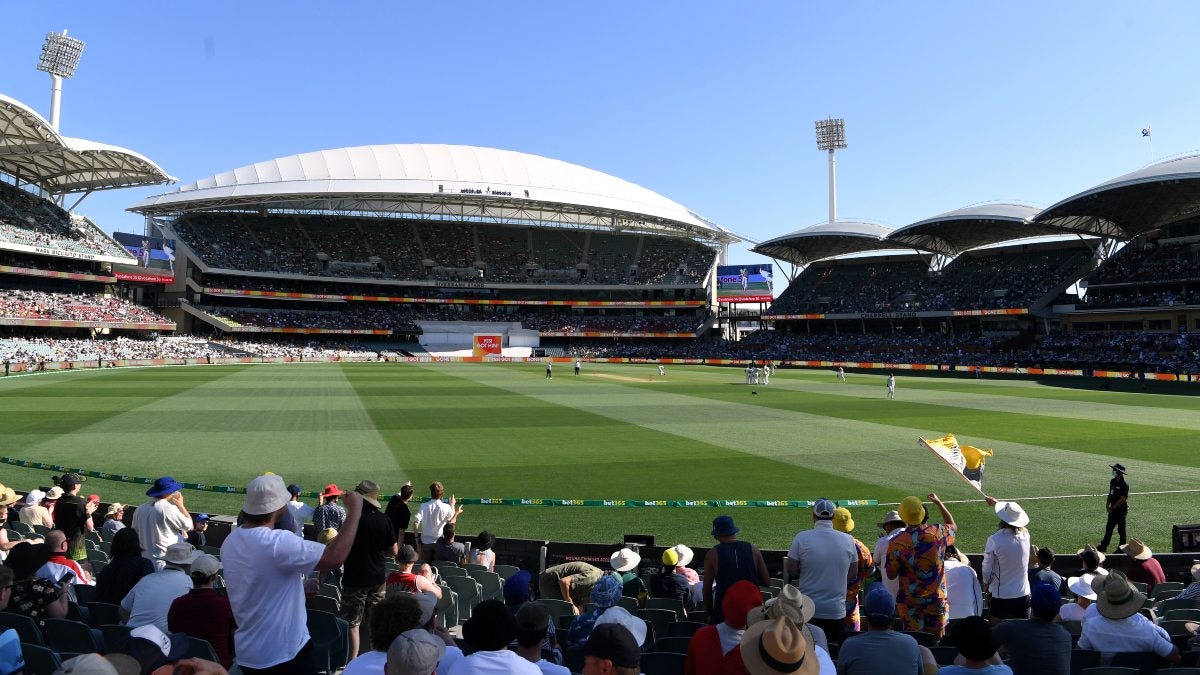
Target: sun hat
<point>739,600</point>
<point>95,664</point>
<point>823,508</point>
<point>153,648</point>
<point>1118,467</point>
<point>7,495</point>
<point>332,490</point>
<point>327,535</point>
<point>54,493</point>
<point>723,526</point>
<point>414,651</point>
<point>625,560</point>
<point>770,647</point>
<point>606,592</point>
<point>670,558</point>
<point>491,627</point>
<point>94,498</point>
<point>516,587</point>
<point>164,486</point>
<point>952,553</point>
<point>1081,586</point>
<point>181,553</point>
<point>911,511</point>
<point>265,494</point>
<point>1045,599</point>
<point>879,604</point>
<point>973,638</point>
<point>369,490</point>
<point>842,520</point>
<point>1116,598</point>
<point>890,517</point>
<point>1012,513</point>
<point>685,554</point>
<point>790,603</point>
<point>113,508</point>
<point>620,616</point>
<point>1091,556</point>
<point>34,497</point>
<point>12,660</point>
<point>1137,550</point>
<point>614,642</point>
<point>206,564</point>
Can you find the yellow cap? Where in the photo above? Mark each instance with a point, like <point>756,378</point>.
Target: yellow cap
<point>670,557</point>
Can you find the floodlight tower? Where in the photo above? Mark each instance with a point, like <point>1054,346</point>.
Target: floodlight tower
<point>831,136</point>
<point>60,57</point>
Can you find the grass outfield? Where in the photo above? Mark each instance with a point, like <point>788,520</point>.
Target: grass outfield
<point>619,431</point>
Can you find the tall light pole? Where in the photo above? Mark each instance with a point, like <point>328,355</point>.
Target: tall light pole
<point>831,136</point>
<point>60,58</point>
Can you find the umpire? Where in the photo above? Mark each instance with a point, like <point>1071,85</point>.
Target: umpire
<point>1118,506</point>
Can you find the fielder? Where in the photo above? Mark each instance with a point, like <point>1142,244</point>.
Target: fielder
<point>841,373</point>
<point>549,371</point>
<point>662,371</point>
<point>891,386</point>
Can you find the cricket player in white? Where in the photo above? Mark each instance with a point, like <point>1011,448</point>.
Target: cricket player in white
<point>662,371</point>
<point>578,365</point>
<point>549,371</point>
<point>891,385</point>
<point>749,375</point>
<point>766,373</point>
<point>841,374</point>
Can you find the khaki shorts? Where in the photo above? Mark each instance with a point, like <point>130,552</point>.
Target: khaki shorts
<point>356,602</point>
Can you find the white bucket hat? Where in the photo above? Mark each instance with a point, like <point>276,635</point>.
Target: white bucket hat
<point>625,560</point>
<point>685,554</point>
<point>1012,513</point>
<point>621,616</point>
<point>266,494</point>
<point>1081,586</point>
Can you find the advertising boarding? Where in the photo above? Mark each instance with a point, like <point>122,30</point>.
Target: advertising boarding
<point>745,283</point>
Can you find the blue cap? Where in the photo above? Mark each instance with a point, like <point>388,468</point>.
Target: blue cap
<point>880,604</point>
<point>723,526</point>
<point>11,659</point>
<point>516,587</point>
<point>1045,598</point>
<point>201,517</point>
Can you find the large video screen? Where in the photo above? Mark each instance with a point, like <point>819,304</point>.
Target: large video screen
<point>745,283</point>
<point>155,259</point>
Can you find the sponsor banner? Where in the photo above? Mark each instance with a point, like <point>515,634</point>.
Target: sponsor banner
<point>896,315</point>
<point>51,323</point>
<point>234,328</point>
<point>791,317</point>
<point>236,292</point>
<point>31,272</point>
<point>154,259</point>
<point>991,312</point>
<point>487,344</point>
<point>613,334</point>
<point>745,283</point>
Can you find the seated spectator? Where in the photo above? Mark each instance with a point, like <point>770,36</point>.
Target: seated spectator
<point>36,511</point>
<point>604,594</point>
<point>973,638</point>
<point>33,596</point>
<point>1192,592</point>
<point>114,521</point>
<point>799,608</point>
<point>60,566</point>
<point>1091,558</point>
<point>685,558</point>
<point>489,631</point>
<point>415,652</point>
<point>716,649</point>
<point>668,583</point>
<point>612,649</point>
<point>388,619</point>
<point>482,553</point>
<point>405,580</point>
<point>1113,624</point>
<point>880,649</point>
<point>963,591</point>
<point>1142,566</point>
<point>625,563</point>
<point>777,647</point>
<point>1043,572</point>
<point>204,612</point>
<point>1036,645</point>
<point>197,535</point>
<point>517,591</point>
<point>1084,596</point>
<point>148,602</point>
<point>126,566</point>
<point>154,649</point>
<point>533,625</point>
<point>447,549</point>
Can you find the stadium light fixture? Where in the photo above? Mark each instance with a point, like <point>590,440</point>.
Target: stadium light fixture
<point>831,137</point>
<point>60,58</point>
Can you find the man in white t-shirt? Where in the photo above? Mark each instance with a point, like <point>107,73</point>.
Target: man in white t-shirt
<point>264,572</point>
<point>300,511</point>
<point>824,561</point>
<point>489,632</point>
<point>163,520</point>
<point>432,518</point>
<point>891,525</point>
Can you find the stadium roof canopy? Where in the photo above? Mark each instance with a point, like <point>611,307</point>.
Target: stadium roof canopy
<point>826,241</point>
<point>439,182</point>
<point>971,227</point>
<point>1129,205</point>
<point>33,152</point>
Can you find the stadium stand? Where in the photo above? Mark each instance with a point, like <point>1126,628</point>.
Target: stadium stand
<point>30,220</point>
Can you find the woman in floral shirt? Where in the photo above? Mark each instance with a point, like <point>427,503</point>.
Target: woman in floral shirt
<point>915,556</point>
<point>33,596</point>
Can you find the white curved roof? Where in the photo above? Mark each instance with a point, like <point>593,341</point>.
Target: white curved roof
<point>33,151</point>
<point>826,240</point>
<point>971,227</point>
<point>373,174</point>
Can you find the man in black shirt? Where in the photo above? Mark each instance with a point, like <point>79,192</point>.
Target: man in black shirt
<point>365,570</point>
<point>1117,505</point>
<point>397,511</point>
<point>73,516</point>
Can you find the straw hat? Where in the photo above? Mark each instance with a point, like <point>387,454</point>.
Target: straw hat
<point>1012,513</point>
<point>7,496</point>
<point>1092,551</point>
<point>1137,550</point>
<point>790,603</point>
<point>1116,598</point>
<point>770,647</point>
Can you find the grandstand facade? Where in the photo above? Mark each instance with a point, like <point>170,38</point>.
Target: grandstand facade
<point>415,248</point>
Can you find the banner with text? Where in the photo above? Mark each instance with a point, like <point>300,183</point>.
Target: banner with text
<point>745,283</point>
<point>155,259</point>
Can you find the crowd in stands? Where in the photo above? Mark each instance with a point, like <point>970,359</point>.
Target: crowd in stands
<point>429,250</point>
<point>297,348</point>
<point>1149,261</point>
<point>37,262</point>
<point>28,304</point>
<point>32,221</point>
<point>275,594</point>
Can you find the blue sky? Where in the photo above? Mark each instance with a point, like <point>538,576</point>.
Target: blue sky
<point>710,104</point>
